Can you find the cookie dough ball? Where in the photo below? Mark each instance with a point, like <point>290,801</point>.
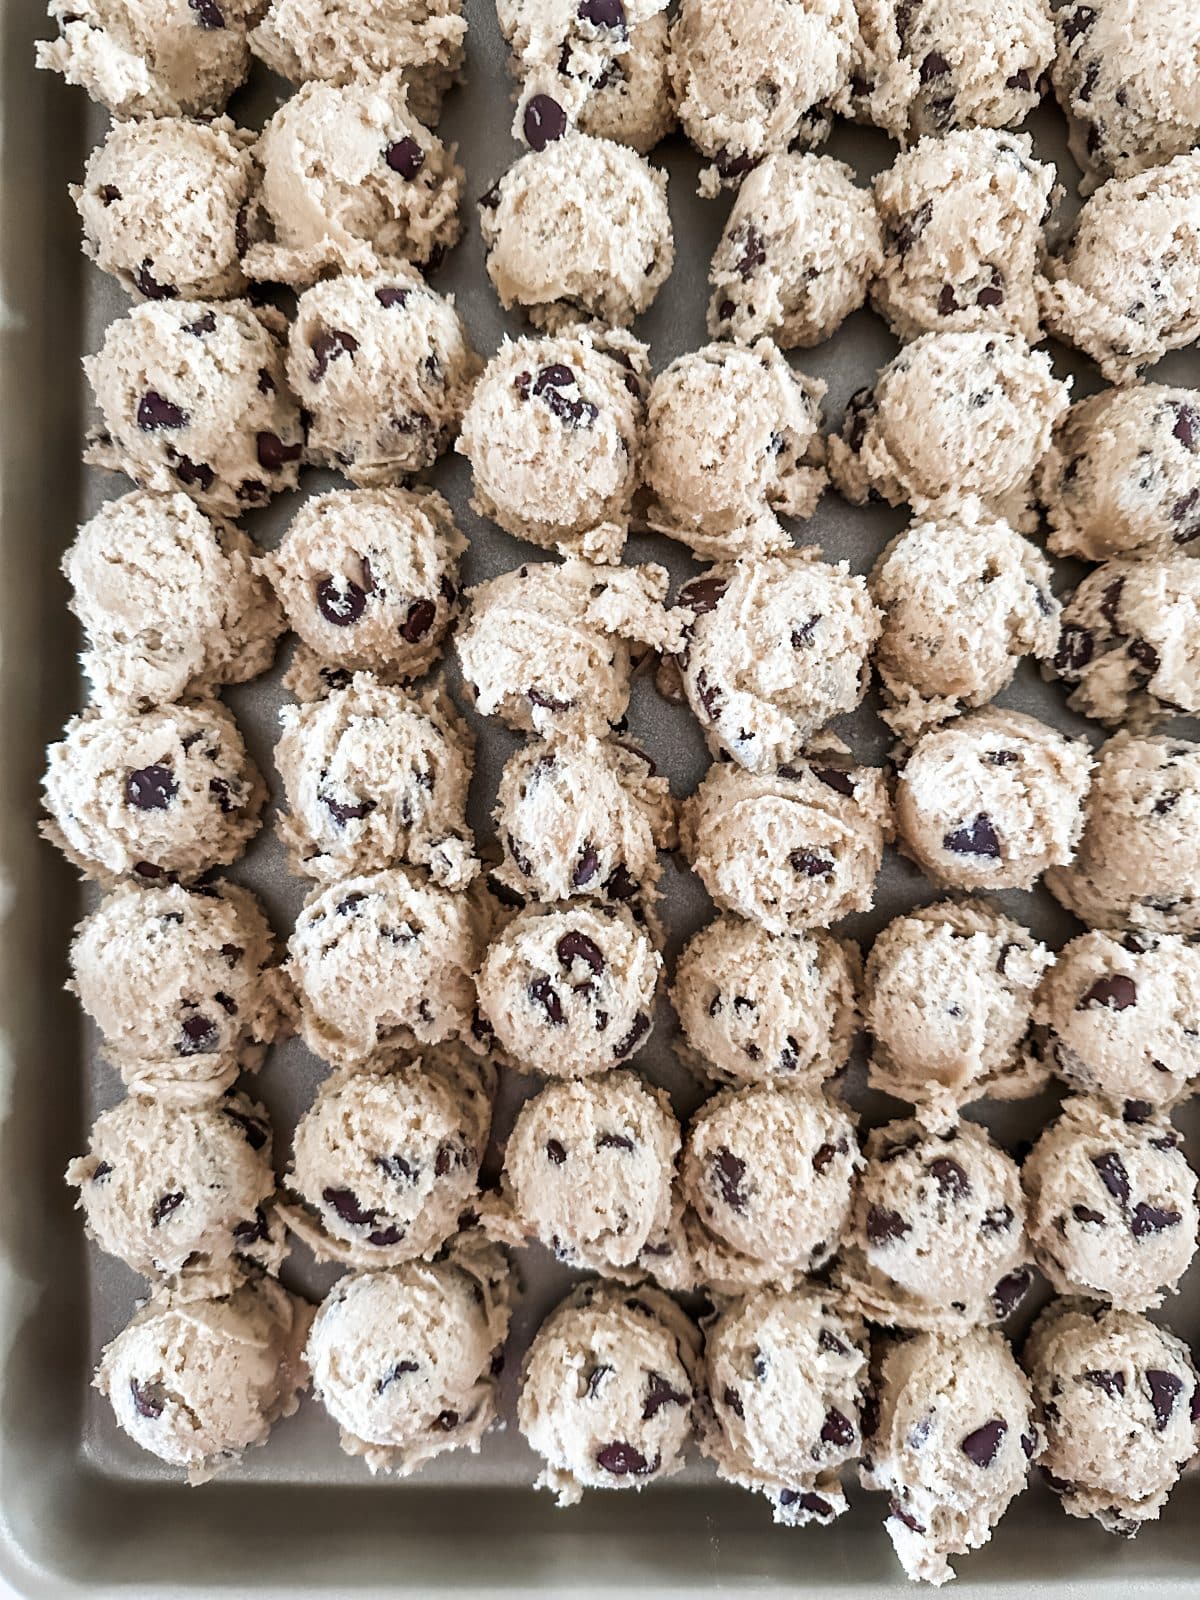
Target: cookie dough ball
<point>386,1161</point>
<point>992,801</point>
<point>785,1372</point>
<point>583,817</point>
<point>352,182</point>
<point>937,1234</point>
<point>799,247</point>
<point>547,648</point>
<point>168,1188</point>
<point>554,437</point>
<point>1126,287</point>
<point>954,414</point>
<point>732,444</point>
<point>164,206</point>
<point>182,984</point>
<point>1127,76</point>
<point>628,98</point>
<point>1130,642</point>
<point>588,1172</point>
<point>951,1445</point>
<point>193,397</point>
<point>1112,1205</point>
<point>779,647</point>
<point>151,58</point>
<point>1122,475</point>
<point>383,959</point>
<point>169,600</point>
<point>1116,1399</point>
<point>792,850</point>
<point>962,223</point>
<point>196,1378</point>
<point>569,990</point>
<point>762,1008</point>
<point>1138,861</point>
<point>405,1361</point>
<point>162,795</point>
<point>384,368</point>
<point>1122,1017</point>
<point>369,580</point>
<point>753,76</point>
<point>963,599</point>
<point>581,225</point>
<point>948,1000</point>
<point>338,40</point>
<point>373,777</point>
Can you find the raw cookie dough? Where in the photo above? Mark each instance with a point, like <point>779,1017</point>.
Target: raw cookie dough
<point>352,182</point>
<point>583,816</point>
<point>732,444</point>
<point>554,437</point>
<point>624,96</point>
<point>784,1390</point>
<point>197,1377</point>
<point>951,1444</point>
<point>954,414</point>
<point>1126,287</point>
<point>779,647</point>
<point>375,777</point>
<point>1127,76</point>
<point>963,598</point>
<point>169,1188</point>
<point>757,1007</point>
<point>164,206</point>
<point>339,39</point>
<point>1122,475</point>
<point>383,959</point>
<point>1130,642</point>
<point>1122,1017</point>
<point>962,221</point>
<point>183,985</point>
<point>547,648</point>
<point>151,58</point>
<point>1112,1205</point>
<point>992,800</point>
<point>607,1388</point>
<point>581,226</point>
<point>369,580</point>
<point>948,1000</point>
<point>766,1178</point>
<point>405,1361</point>
<point>384,368</point>
<point>799,247</point>
<point>589,1172</point>
<point>169,600</point>
<point>1138,861</point>
<point>385,1161</point>
<point>792,850</point>
<point>1116,1399</point>
<point>936,1238</point>
<point>193,397</point>
<point>754,76</point>
<point>164,795</point>
<point>569,989</point>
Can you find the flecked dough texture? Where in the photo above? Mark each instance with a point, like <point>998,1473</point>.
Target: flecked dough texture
<point>619,89</point>
<point>948,1000</point>
<point>732,444</point>
<point>169,600</point>
<point>554,437</point>
<point>607,1388</point>
<point>163,795</point>
<point>992,800</point>
<point>583,226</point>
<point>193,396</point>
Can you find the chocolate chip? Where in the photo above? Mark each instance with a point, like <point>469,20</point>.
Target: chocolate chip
<point>1029,1445</point>
<point>998,1220</point>
<point>837,1429</point>
<point>395,1372</point>
<point>1110,600</point>
<point>1011,1290</point>
<point>895,1509</point>
<point>815,1504</point>
<point>594,1379</point>
<point>947,304</point>
<point>154,412</point>
<point>904,235</point>
<point>1087,1215</point>
<point>885,1227</point>
<point>340,602</point>
<point>983,1445</point>
<point>544,121</point>
<point>343,814</point>
<point>543,993</point>
<point>199,1034</point>
<point>194,472</point>
<point>641,1026</point>
<point>149,285</point>
<point>659,1393</point>
<point>165,1206</point>
<point>753,251</point>
<point>614,1141</point>
<point>1165,1388</point>
<point>728,1172</point>
<point>273,454</point>
<point>447,1420</point>
<point>1019,80</point>
<point>951,1179</point>
<point>733,166</point>
<point>623,1460</point>
<point>209,14</point>
<point>976,839</point>
<point>1112,1173</point>
<point>328,346</point>
<point>205,324</point>
<point>151,788</point>
<point>1187,425</point>
<point>1076,647</point>
<point>934,66</point>
<point>1148,1219</point>
<point>823,1155</point>
<point>586,867</point>
<point>803,635</point>
<point>1112,1383</point>
<point>575,946</point>
<point>834,778</point>
<point>420,618</point>
<point>1145,655</point>
<point>547,702</point>
<point>101,1171</point>
<point>548,387</point>
<point>405,157</point>
<point>809,865</point>
<point>221,793</point>
<point>108,193</point>
<point>149,1399</point>
<point>603,13</point>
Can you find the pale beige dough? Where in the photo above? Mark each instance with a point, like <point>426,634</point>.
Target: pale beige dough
<point>624,94</point>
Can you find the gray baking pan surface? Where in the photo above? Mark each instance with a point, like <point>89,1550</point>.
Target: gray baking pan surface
<point>81,1510</point>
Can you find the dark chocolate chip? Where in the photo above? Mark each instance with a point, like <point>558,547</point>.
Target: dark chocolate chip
<point>340,602</point>
<point>1148,1219</point>
<point>544,121</point>
<point>149,286</point>
<point>977,838</point>
<point>1116,993</point>
<point>983,1445</point>
<point>1076,647</point>
<point>209,14</point>
<point>885,1227</point>
<point>575,946</point>
<point>1113,1175</point>
<point>660,1393</point>
<point>641,1026</point>
<point>155,412</point>
<point>837,1429</point>
<point>1165,1388</point>
<point>420,618</point>
<point>149,1399</point>
<point>952,1180</point>
<point>273,454</point>
<point>165,1206</point>
<point>543,993</point>
<point>1011,1290</point>
<point>151,788</point>
<point>728,1172</point>
<point>394,1373</point>
<point>328,346</point>
<point>405,157</point>
<point>1112,1383</point>
<point>623,1460</point>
